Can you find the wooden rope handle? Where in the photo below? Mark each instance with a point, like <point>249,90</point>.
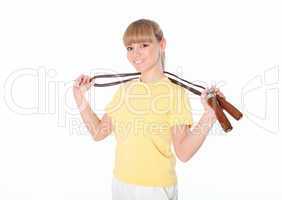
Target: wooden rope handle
<point>222,119</point>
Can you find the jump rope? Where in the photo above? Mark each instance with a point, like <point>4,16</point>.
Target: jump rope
<point>216,102</point>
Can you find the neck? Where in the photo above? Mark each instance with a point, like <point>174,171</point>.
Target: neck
<point>152,75</point>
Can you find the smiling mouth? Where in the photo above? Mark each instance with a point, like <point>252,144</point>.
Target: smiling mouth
<point>138,62</point>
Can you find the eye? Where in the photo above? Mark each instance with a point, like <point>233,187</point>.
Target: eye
<point>129,48</point>
<point>144,45</point>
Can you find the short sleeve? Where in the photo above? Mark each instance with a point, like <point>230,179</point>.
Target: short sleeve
<point>114,104</point>
<point>180,112</point>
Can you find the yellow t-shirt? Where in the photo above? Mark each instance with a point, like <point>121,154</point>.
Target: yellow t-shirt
<point>142,114</point>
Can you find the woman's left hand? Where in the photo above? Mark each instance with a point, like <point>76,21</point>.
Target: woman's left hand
<point>207,107</point>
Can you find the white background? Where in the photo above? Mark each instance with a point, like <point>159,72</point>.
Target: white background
<point>46,152</point>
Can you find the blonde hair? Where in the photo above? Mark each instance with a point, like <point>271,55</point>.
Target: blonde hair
<point>143,30</point>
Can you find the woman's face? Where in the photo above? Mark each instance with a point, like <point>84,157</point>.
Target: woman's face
<point>144,55</point>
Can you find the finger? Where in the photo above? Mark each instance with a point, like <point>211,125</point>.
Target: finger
<point>217,91</point>
<point>81,80</point>
<point>84,80</point>
<point>74,82</point>
<point>77,81</point>
<point>221,94</point>
<point>88,80</point>
<point>80,77</point>
<point>212,88</point>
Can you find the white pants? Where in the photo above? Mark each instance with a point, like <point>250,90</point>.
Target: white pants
<point>125,191</point>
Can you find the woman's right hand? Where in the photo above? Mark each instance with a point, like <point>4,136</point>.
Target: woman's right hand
<point>81,85</point>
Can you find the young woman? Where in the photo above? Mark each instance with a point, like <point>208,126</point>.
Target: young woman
<point>147,115</point>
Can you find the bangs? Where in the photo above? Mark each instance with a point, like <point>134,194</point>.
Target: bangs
<point>137,33</point>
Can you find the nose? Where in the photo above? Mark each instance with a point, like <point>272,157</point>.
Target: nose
<point>136,52</point>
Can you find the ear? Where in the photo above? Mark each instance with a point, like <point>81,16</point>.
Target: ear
<point>163,44</point>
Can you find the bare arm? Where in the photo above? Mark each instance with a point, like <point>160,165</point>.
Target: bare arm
<point>98,128</point>
<point>186,142</point>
